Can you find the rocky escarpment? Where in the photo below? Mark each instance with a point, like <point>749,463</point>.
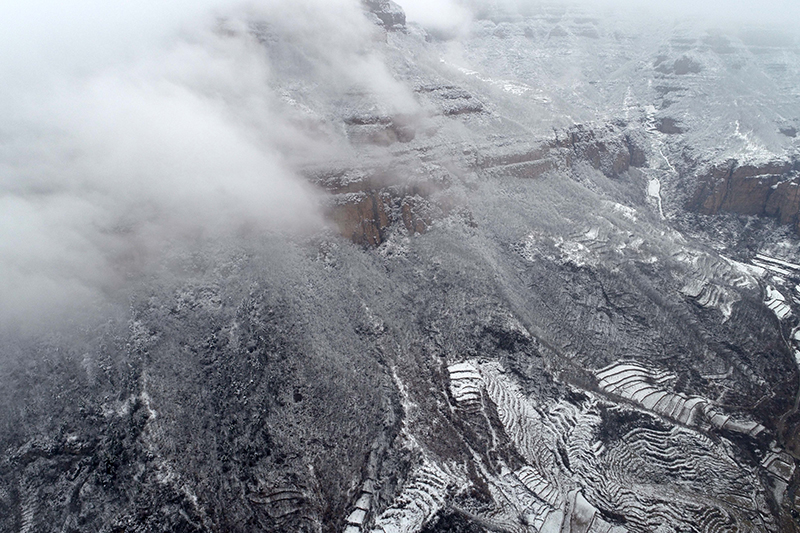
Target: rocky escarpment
<point>771,190</point>
<point>365,203</point>
<point>365,215</point>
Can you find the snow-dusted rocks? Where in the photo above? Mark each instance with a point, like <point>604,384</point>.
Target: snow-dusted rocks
<point>421,498</point>
<point>389,13</point>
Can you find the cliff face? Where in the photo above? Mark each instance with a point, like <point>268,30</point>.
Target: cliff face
<point>365,216</point>
<point>366,203</point>
<point>771,190</point>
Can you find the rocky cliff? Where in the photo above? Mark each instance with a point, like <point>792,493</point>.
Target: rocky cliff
<point>770,190</point>
<point>365,203</point>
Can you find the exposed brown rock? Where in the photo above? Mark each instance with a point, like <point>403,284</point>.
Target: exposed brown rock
<point>380,130</point>
<point>367,202</point>
<point>413,214</point>
<point>514,157</point>
<point>361,217</point>
<point>610,153</point>
<point>771,190</point>
<point>365,217</point>
<point>527,169</point>
<point>784,203</point>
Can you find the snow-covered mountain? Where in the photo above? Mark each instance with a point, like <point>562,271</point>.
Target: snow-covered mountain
<point>555,288</point>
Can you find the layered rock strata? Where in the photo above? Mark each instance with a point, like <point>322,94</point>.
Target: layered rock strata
<point>770,190</point>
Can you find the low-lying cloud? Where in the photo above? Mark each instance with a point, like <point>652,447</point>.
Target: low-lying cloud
<point>130,127</point>
<point>438,15</point>
<point>126,129</point>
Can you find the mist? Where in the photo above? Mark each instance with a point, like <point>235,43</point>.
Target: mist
<point>453,15</point>
<point>130,130</point>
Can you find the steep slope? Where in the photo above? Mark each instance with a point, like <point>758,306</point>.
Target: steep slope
<point>529,312</point>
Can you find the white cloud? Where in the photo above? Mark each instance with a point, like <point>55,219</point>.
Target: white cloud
<point>442,15</point>
<point>128,127</point>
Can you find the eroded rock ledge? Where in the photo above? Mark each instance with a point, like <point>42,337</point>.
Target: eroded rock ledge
<point>366,202</point>
<point>769,190</point>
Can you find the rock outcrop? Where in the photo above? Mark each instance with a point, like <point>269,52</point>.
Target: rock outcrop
<point>365,204</point>
<point>389,13</point>
<point>771,190</point>
<point>681,67</point>
<point>669,126</point>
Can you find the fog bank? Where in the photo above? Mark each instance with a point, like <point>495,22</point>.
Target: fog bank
<point>127,130</point>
